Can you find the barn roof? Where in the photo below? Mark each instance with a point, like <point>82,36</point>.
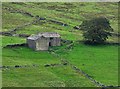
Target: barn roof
<point>46,35</point>
<point>33,37</point>
<point>50,34</point>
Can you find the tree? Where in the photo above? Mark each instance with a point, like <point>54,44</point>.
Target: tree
<point>96,30</point>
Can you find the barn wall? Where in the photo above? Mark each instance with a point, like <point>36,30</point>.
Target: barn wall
<point>42,44</point>
<point>58,41</point>
<point>55,41</point>
<point>31,44</point>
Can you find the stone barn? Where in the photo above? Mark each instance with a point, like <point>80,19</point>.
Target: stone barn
<point>42,41</point>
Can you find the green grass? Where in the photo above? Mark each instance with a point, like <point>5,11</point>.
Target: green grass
<point>71,78</point>
<point>49,27</point>
<point>28,56</point>
<point>100,62</point>
<point>76,12</point>
<point>12,20</point>
<point>42,77</point>
<point>61,76</point>
<point>6,40</point>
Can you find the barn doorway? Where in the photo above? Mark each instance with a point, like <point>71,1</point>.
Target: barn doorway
<point>50,43</point>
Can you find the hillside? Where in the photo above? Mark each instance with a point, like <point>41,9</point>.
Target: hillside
<point>25,67</point>
<point>72,14</point>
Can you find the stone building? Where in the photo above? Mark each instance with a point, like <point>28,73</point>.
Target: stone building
<point>42,41</point>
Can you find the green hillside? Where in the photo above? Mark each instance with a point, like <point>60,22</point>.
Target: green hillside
<point>27,67</point>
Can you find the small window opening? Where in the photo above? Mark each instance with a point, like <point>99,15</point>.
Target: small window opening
<point>51,38</point>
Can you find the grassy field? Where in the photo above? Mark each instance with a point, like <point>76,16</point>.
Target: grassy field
<point>60,76</point>
<point>100,62</point>
<point>6,40</point>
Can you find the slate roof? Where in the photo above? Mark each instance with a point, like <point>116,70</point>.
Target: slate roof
<point>46,35</point>
<point>50,34</point>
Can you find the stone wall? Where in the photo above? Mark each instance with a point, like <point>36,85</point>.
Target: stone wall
<point>42,43</point>
<point>55,41</point>
<point>31,44</point>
